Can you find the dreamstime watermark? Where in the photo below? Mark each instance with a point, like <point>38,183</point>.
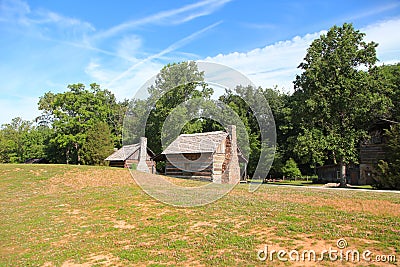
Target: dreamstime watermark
<point>183,78</point>
<point>340,253</point>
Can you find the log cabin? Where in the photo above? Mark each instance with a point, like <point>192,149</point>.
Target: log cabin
<point>371,150</point>
<point>138,155</point>
<point>212,156</point>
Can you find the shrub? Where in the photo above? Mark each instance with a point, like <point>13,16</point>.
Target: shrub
<point>388,175</point>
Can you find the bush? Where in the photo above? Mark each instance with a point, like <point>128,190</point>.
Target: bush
<point>388,175</point>
<point>290,169</point>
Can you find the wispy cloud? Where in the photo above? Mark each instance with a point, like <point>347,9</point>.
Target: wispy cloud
<point>11,10</point>
<point>173,16</point>
<point>259,26</point>
<point>167,50</point>
<point>47,26</point>
<point>372,12</point>
<point>50,26</point>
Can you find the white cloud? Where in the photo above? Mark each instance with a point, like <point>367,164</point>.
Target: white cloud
<point>98,73</point>
<point>272,65</point>
<point>129,46</point>
<point>276,64</point>
<point>127,86</point>
<point>385,34</point>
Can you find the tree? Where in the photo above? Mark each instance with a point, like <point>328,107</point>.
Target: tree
<point>234,99</point>
<point>36,144</point>
<point>99,144</point>
<point>13,137</point>
<point>21,140</point>
<point>175,84</point>
<point>310,147</point>
<point>334,96</point>
<point>290,169</point>
<point>73,113</point>
<point>280,106</point>
<point>387,81</point>
<point>388,176</point>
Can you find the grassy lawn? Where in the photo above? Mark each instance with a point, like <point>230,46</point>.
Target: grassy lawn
<point>58,215</point>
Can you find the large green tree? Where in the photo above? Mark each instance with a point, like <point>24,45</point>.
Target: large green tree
<point>241,101</point>
<point>73,113</point>
<point>335,97</point>
<point>175,84</point>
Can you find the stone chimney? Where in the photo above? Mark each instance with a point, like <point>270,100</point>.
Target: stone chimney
<point>142,165</point>
<point>234,168</point>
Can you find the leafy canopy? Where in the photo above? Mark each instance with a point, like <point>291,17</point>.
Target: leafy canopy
<point>334,96</point>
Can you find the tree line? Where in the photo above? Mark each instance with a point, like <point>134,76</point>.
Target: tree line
<point>339,94</point>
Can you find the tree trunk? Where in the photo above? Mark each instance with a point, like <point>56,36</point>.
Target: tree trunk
<point>67,155</point>
<point>77,153</point>
<point>343,180</point>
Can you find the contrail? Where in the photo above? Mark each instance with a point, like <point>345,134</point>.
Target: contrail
<point>169,49</point>
<point>209,5</point>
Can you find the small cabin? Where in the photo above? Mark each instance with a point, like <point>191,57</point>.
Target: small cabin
<point>373,149</point>
<point>331,173</point>
<point>212,156</point>
<point>138,155</point>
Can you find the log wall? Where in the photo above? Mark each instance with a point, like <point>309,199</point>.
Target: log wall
<point>189,166</point>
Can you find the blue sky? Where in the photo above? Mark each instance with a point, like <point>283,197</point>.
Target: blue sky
<point>46,45</point>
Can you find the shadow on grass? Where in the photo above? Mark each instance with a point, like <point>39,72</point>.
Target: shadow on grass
<point>310,183</point>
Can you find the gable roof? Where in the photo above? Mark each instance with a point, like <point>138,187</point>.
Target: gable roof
<point>123,153</point>
<point>196,143</point>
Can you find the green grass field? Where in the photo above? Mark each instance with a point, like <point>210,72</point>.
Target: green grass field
<point>58,215</point>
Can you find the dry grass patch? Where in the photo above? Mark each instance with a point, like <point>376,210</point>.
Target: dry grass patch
<point>345,201</point>
<point>76,179</point>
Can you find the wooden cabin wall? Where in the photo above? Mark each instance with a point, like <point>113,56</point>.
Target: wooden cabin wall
<point>116,163</point>
<point>175,171</point>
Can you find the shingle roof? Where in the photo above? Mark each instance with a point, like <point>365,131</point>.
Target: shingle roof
<point>123,153</point>
<point>196,143</point>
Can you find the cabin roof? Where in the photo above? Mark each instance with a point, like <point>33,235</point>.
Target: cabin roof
<point>196,143</point>
<point>123,153</point>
